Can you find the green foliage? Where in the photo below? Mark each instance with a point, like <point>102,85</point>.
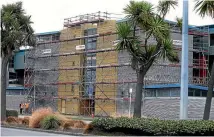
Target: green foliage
<point>141,14</point>
<point>16,28</point>
<point>164,6</point>
<point>13,113</point>
<point>179,23</point>
<point>141,17</point>
<point>124,29</point>
<point>50,122</point>
<point>167,51</point>
<point>143,126</point>
<point>205,7</point>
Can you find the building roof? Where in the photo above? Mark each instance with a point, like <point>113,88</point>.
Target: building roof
<point>172,22</point>
<point>162,86</point>
<point>16,88</point>
<point>47,33</point>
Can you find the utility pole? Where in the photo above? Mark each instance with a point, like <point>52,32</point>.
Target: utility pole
<point>130,101</point>
<point>184,64</point>
<point>34,96</point>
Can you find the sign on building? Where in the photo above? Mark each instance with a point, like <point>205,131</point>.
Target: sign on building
<point>46,51</point>
<point>80,47</point>
<point>177,42</point>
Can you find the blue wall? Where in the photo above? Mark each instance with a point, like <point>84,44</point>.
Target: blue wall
<point>191,86</point>
<point>19,60</point>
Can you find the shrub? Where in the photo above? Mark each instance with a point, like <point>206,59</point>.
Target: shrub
<point>88,128</point>
<point>26,121</point>
<point>13,113</point>
<point>144,126</point>
<point>50,122</point>
<point>79,124</point>
<point>20,120</point>
<point>66,124</point>
<point>12,120</point>
<point>38,115</point>
<point>61,117</point>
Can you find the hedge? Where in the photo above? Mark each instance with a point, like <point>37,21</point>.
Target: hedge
<point>13,113</point>
<point>143,126</point>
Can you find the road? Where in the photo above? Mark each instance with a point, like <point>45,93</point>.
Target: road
<point>20,132</point>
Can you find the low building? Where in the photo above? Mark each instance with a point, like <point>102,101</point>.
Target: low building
<point>80,73</point>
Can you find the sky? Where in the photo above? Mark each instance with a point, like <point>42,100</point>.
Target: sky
<point>48,15</point>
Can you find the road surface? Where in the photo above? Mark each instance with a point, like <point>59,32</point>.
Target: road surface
<point>20,132</point>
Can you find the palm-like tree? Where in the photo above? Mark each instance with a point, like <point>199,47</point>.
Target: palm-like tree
<point>16,31</point>
<point>135,11</point>
<point>164,6</point>
<point>141,14</point>
<point>206,7</point>
<point>179,23</point>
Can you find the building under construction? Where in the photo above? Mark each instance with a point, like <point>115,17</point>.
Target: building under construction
<point>83,74</point>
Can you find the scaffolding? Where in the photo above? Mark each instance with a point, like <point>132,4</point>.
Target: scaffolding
<point>83,74</point>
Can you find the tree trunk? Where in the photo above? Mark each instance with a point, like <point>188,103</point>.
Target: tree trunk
<point>209,95</point>
<point>3,86</point>
<point>138,96</point>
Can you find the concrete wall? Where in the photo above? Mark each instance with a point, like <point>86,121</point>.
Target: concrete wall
<point>163,105</point>
<point>156,74</point>
<point>40,78</point>
<point>169,108</point>
<point>13,101</point>
<point>168,74</point>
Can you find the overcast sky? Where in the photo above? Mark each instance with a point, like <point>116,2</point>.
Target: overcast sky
<point>48,15</point>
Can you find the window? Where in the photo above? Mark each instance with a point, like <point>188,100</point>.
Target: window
<point>90,40</point>
<point>175,93</point>
<point>122,94</point>
<point>55,37</point>
<point>163,93</point>
<point>7,92</point>
<point>72,88</point>
<point>197,93</point>
<point>90,73</point>
<point>150,93</point>
<point>11,63</point>
<point>91,46</point>
<point>204,93</point>
<point>23,92</point>
<point>15,92</point>
<point>90,76</point>
<point>91,62</point>
<point>89,90</point>
<point>191,93</point>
